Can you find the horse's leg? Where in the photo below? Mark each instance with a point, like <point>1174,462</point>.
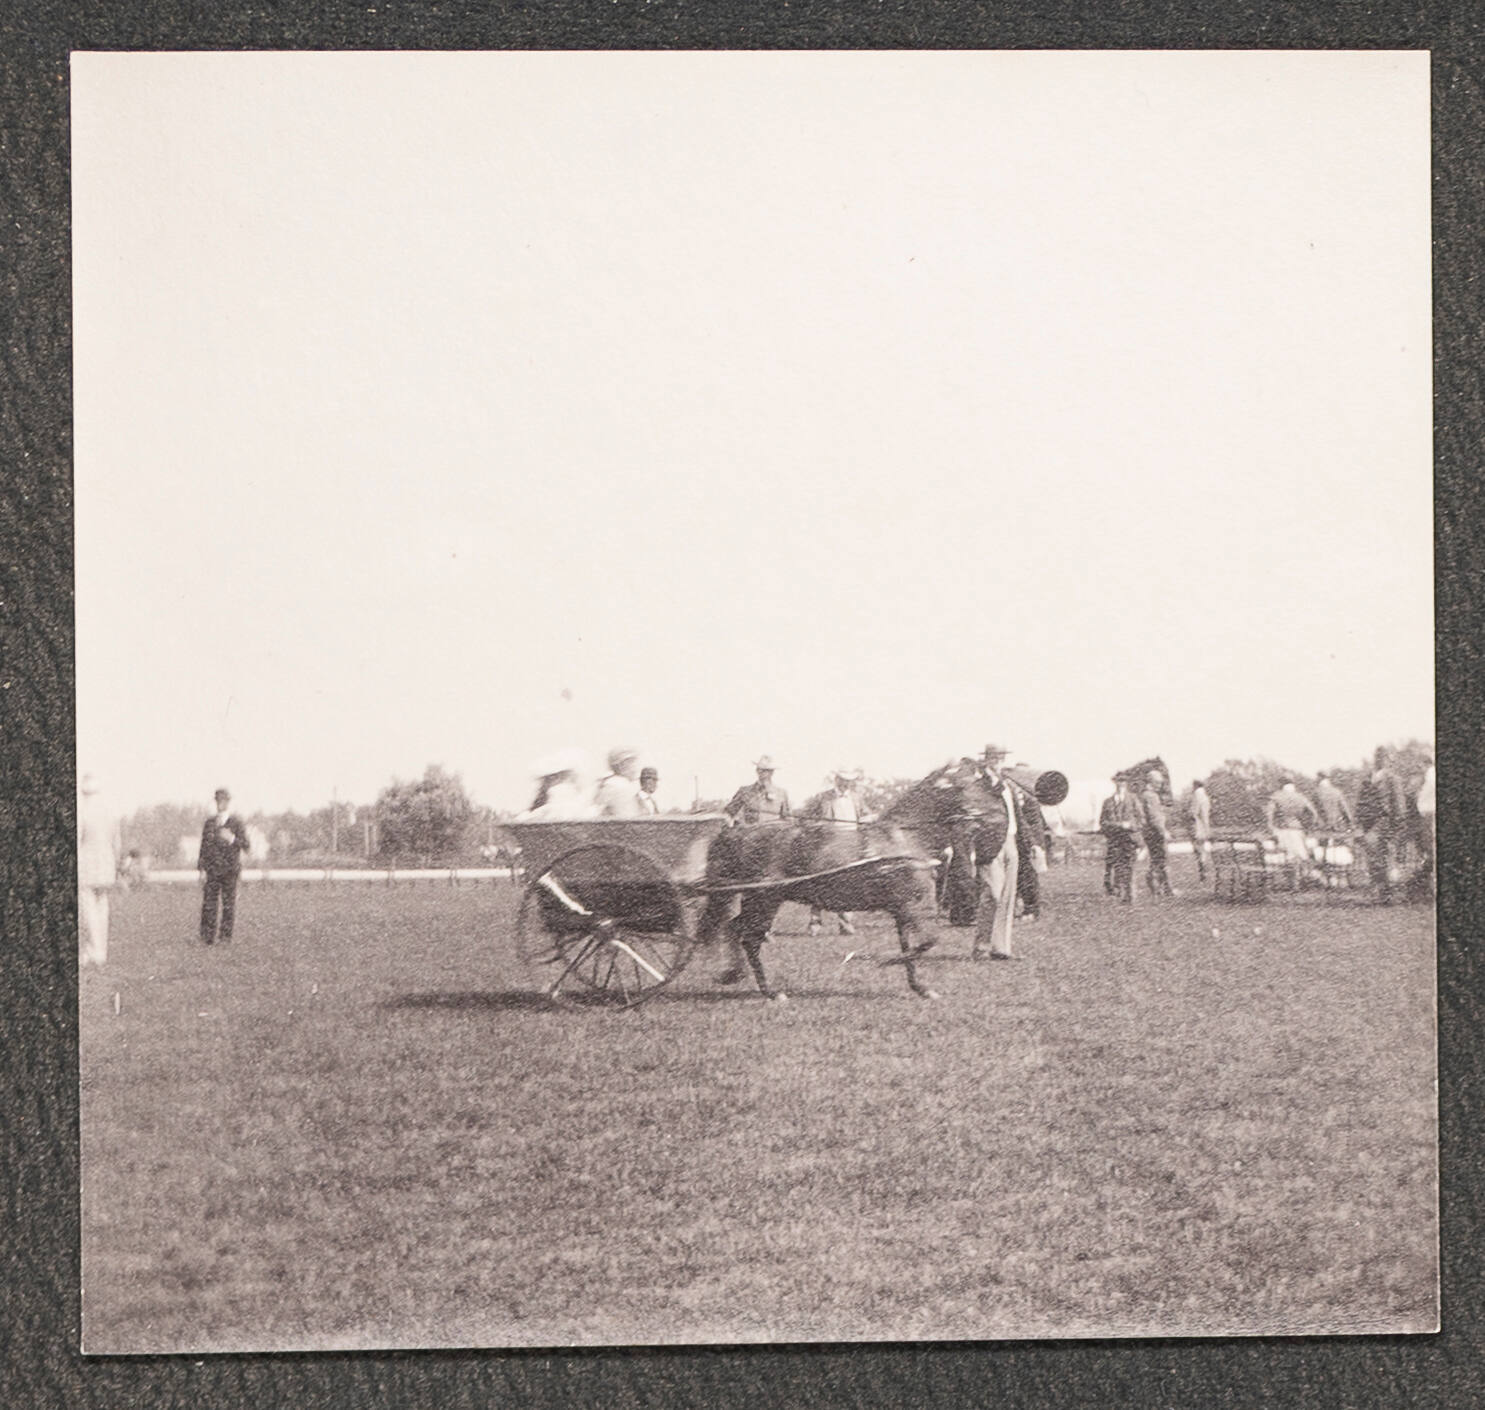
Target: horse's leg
<point>907,941</point>
<point>753,922</point>
<point>714,926</point>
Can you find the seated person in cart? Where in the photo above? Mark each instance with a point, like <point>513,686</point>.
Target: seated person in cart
<point>559,793</point>
<point>618,790</point>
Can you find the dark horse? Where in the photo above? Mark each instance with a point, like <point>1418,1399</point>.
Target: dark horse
<point>873,866</point>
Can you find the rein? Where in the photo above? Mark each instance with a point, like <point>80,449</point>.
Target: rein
<point>885,863</point>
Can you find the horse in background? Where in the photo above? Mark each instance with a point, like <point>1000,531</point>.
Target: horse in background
<point>875,866</point>
<point>1139,776</point>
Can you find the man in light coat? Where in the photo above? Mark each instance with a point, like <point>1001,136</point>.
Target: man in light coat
<point>1201,827</point>
<point>840,806</point>
<point>97,871</point>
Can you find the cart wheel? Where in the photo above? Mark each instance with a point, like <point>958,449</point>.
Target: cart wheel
<point>603,925</point>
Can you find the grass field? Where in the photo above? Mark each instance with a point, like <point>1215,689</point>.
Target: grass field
<point>356,1126</point>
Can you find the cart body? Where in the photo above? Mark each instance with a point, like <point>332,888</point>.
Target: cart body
<point>607,916</point>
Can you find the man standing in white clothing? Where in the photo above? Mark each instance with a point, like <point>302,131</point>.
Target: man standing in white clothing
<point>97,871</point>
<point>998,873</point>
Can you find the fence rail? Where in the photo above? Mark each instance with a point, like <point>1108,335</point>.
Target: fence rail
<point>388,876</point>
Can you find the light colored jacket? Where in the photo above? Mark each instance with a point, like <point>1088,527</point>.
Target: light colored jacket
<point>98,842</point>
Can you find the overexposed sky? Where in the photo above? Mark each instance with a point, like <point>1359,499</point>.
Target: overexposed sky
<point>853,407</point>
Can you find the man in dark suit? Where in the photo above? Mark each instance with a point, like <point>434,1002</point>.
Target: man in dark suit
<point>223,841</point>
<point>1122,822</point>
<point>1031,838</point>
<point>1382,815</point>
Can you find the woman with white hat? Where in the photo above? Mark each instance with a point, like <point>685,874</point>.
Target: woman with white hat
<point>618,790</point>
<point>559,793</point>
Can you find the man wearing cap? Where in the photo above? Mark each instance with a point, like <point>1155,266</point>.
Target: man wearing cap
<point>223,841</point>
<point>997,906</point>
<point>649,781</point>
<point>618,790</point>
<point>1122,820</point>
<point>839,806</point>
<point>763,801</point>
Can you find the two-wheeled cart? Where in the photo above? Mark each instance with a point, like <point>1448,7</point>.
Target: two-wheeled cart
<point>610,906</point>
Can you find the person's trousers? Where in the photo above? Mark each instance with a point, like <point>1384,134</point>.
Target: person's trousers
<point>997,902</point>
<point>1384,858</point>
<point>1028,885</point>
<point>1155,844</point>
<point>92,930</point>
<point>961,886</point>
<point>220,892</point>
<point>1119,860</point>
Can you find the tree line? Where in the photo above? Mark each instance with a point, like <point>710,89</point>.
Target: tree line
<point>425,821</point>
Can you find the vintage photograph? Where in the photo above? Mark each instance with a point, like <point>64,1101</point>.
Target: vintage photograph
<point>753,697</point>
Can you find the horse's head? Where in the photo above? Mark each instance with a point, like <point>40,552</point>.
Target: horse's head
<point>957,792</point>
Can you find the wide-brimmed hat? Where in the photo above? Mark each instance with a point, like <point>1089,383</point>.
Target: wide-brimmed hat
<point>621,754</point>
<point>995,751</point>
<point>763,761</point>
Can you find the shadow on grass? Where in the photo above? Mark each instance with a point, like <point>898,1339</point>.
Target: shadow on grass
<point>495,1000</point>
<point>530,1001</point>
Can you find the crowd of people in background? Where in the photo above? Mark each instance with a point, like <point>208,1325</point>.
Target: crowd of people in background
<point>1388,822</point>
<point>1314,838</point>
